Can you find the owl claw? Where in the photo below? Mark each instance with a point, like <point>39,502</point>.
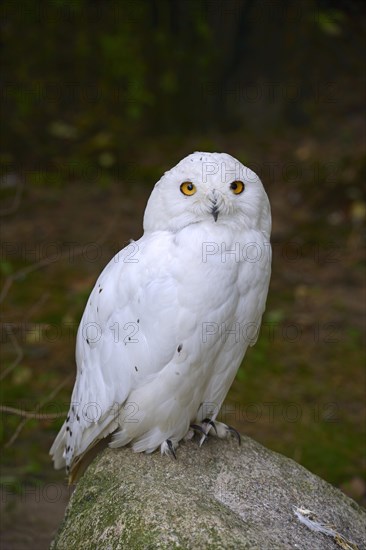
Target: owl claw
<point>210,422</point>
<point>168,448</point>
<point>198,428</point>
<point>222,430</point>
<point>235,433</point>
<point>171,450</point>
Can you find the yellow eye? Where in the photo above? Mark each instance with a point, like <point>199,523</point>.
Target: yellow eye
<point>188,188</point>
<point>237,187</point>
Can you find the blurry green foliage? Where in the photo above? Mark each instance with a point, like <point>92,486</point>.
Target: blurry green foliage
<point>330,22</point>
<point>84,81</point>
<point>93,75</point>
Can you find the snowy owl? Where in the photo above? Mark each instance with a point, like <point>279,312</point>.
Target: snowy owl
<point>171,316</point>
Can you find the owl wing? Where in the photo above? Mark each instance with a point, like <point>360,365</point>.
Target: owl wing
<point>120,344</point>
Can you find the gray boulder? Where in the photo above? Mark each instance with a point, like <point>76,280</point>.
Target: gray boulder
<point>217,496</point>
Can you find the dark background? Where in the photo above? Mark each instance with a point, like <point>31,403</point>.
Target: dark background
<point>98,100</point>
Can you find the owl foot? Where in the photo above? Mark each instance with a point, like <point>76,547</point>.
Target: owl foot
<point>167,448</point>
<point>222,431</point>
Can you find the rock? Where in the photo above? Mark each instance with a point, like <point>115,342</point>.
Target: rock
<point>217,496</point>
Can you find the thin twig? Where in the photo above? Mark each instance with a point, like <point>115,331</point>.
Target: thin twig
<point>25,420</point>
<point>20,353</point>
<point>31,414</point>
<point>36,306</point>
<point>13,338</point>
<point>47,261</point>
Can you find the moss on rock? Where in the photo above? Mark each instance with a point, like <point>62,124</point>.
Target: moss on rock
<point>216,496</point>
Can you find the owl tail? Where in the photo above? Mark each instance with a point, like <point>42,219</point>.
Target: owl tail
<point>58,447</point>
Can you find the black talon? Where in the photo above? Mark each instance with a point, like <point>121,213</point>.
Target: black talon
<point>198,428</point>
<point>211,422</point>
<point>235,433</point>
<point>171,448</point>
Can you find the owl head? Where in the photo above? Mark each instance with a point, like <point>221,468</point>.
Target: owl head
<point>209,188</point>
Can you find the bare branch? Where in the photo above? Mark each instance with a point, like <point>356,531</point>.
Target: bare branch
<point>47,261</point>
<point>19,357</point>
<point>25,420</point>
<point>31,414</point>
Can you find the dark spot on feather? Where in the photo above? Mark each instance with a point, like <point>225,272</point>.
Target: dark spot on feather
<point>100,290</point>
<point>78,418</point>
<point>87,341</point>
<point>138,320</point>
<point>70,433</point>
<point>179,348</point>
<point>68,418</point>
<point>73,409</point>
<point>67,429</point>
<point>97,309</point>
<point>136,369</point>
<point>129,338</point>
<point>68,448</point>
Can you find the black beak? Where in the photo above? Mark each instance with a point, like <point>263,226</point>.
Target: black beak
<point>215,212</point>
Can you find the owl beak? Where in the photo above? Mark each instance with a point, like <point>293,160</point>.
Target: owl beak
<point>215,212</point>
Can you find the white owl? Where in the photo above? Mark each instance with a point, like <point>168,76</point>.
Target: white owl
<point>171,316</point>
